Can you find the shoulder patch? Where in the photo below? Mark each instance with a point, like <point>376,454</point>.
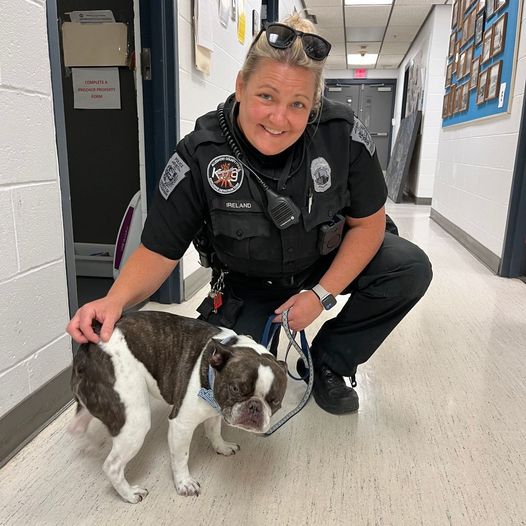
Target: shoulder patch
<point>361,134</point>
<point>173,174</point>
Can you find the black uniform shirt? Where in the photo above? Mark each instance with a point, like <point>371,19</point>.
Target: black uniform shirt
<point>333,168</point>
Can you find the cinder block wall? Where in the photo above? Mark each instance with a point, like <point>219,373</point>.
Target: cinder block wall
<point>33,293</point>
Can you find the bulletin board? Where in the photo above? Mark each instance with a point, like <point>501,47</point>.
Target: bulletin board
<point>481,59</point>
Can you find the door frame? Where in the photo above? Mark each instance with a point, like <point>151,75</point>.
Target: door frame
<point>513,262</point>
<point>380,82</point>
<point>163,131</point>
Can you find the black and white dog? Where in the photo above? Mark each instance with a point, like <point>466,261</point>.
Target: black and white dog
<point>176,359</point>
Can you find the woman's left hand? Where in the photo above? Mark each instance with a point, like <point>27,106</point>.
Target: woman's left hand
<point>304,307</point>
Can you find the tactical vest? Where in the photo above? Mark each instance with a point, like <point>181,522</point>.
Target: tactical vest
<point>243,237</point>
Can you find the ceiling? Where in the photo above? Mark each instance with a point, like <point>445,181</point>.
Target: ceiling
<point>387,30</point>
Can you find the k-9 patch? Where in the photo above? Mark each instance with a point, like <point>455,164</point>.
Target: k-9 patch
<point>361,134</point>
<point>225,174</point>
<point>173,174</point>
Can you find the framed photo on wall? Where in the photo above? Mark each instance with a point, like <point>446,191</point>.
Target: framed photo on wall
<point>494,80</point>
<point>452,42</point>
<point>467,61</point>
<point>499,35</point>
<point>449,71</point>
<point>490,8</point>
<point>445,106</point>
<point>499,4</point>
<point>461,66</point>
<point>450,102</point>
<point>454,16</point>
<point>475,68</point>
<point>486,44</point>
<point>482,87</point>
<point>479,27</point>
<point>464,101</point>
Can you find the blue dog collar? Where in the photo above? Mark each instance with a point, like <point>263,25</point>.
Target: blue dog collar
<point>208,394</point>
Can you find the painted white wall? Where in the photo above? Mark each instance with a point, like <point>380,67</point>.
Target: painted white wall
<point>432,41</point>
<point>200,93</point>
<point>475,167</point>
<point>33,293</point>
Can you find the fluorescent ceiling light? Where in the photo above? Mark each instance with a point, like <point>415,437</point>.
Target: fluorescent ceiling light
<point>356,59</point>
<point>368,2</point>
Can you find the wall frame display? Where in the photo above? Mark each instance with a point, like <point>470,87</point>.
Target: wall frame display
<point>482,87</point>
<point>445,106</point>
<point>481,61</point>
<point>452,42</point>
<point>490,8</point>
<point>464,98</point>
<point>451,101</point>
<point>454,17</point>
<point>468,59</point>
<point>486,44</point>
<point>493,80</point>
<point>449,74</point>
<point>461,66</point>
<point>474,73</point>
<point>479,27</point>
<point>500,4</point>
<point>499,35</point>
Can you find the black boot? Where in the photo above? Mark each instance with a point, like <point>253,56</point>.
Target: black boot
<point>330,391</point>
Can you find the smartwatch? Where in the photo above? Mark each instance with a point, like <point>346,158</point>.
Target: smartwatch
<point>326,298</point>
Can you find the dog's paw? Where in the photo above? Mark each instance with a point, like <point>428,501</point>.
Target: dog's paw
<point>227,448</point>
<point>187,487</point>
<point>137,494</point>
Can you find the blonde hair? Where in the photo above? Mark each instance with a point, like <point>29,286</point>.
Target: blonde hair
<point>292,56</point>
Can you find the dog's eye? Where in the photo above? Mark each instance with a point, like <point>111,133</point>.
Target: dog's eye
<point>274,402</point>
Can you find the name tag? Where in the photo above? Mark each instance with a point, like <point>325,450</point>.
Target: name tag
<point>235,205</point>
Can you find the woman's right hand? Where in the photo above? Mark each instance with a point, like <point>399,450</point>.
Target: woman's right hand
<point>104,310</point>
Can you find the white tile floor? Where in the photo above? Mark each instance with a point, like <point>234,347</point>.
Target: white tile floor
<point>440,437</point>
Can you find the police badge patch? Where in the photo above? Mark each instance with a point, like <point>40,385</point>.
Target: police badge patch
<point>173,174</point>
<point>361,134</point>
<point>321,174</point>
<point>225,174</point>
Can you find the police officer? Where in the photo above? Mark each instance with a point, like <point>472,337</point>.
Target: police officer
<point>286,190</point>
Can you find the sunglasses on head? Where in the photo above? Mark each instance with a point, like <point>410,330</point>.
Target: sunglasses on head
<point>280,36</point>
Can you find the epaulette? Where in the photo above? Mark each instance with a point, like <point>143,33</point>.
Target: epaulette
<point>206,131</point>
<point>332,110</point>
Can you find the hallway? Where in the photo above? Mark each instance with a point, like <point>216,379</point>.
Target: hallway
<point>440,437</point>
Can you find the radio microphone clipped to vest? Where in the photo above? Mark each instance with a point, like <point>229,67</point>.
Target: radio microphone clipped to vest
<point>281,210</point>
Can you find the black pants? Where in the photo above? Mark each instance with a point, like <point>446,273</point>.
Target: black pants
<point>387,289</point>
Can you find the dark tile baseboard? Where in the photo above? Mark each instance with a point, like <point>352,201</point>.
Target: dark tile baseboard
<point>22,423</point>
<point>483,254</point>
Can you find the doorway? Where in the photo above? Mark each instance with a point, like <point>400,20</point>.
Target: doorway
<point>373,103</point>
<point>107,156</point>
<point>513,264</point>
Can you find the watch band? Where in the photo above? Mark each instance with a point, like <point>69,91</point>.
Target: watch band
<point>326,298</point>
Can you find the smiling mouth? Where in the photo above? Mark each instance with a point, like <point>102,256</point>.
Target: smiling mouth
<point>275,133</point>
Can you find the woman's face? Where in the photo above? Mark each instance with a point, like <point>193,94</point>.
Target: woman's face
<point>274,105</point>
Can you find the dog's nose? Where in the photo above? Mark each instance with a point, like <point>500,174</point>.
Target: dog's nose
<point>254,406</point>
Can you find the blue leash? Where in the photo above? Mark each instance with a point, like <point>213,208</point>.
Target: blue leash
<point>304,351</point>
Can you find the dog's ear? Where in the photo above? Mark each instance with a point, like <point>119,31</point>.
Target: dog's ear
<point>220,356</point>
<point>283,365</point>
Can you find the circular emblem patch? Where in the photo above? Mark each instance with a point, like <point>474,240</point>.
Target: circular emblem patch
<point>225,174</point>
<point>321,174</point>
